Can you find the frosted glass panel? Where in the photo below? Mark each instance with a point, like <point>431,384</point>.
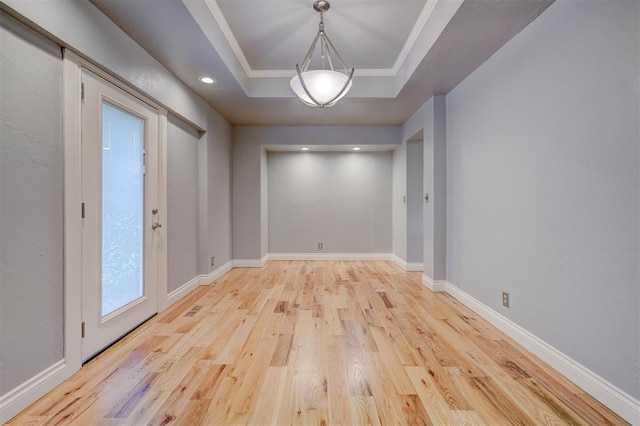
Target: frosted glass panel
<point>122,208</point>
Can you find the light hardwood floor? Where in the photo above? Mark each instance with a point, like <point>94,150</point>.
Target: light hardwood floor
<point>322,343</point>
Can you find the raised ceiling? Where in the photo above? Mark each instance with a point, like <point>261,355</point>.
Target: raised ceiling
<point>404,51</point>
<point>370,33</point>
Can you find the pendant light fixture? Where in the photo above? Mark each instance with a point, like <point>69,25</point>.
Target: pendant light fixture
<point>325,86</point>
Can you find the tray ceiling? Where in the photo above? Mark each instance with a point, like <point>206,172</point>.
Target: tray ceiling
<point>404,51</point>
<point>274,35</point>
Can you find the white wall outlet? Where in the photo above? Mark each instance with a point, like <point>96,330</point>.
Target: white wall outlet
<point>320,246</point>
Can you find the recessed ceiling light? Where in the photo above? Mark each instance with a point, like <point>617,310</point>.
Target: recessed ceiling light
<point>207,80</point>
<point>356,148</point>
<point>304,149</point>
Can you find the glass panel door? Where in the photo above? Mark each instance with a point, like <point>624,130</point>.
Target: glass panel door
<point>122,208</point>
<point>121,229</point>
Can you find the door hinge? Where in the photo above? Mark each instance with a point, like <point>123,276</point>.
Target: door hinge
<point>82,328</point>
<point>83,210</point>
<point>82,91</point>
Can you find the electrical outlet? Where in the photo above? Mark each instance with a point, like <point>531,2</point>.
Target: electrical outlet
<point>505,299</point>
<point>213,261</point>
<point>320,246</point>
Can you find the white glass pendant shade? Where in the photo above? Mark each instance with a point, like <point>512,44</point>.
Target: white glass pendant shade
<point>323,85</point>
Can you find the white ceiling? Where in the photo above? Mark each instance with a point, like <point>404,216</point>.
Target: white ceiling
<point>404,51</point>
<point>275,34</point>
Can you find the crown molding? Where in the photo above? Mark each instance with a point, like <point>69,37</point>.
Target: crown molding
<point>381,72</point>
<point>228,35</point>
<point>424,16</point>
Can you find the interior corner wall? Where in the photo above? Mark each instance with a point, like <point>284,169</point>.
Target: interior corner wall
<point>247,199</point>
<point>218,139</point>
<point>31,204</point>
<point>203,203</point>
<point>415,202</point>
<point>183,202</point>
<point>199,198</point>
<point>399,201</point>
<point>543,184</point>
<point>438,198</point>
<point>431,120</point>
<point>264,204</point>
<point>341,199</point>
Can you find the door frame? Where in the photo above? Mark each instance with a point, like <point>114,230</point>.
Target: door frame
<point>72,160</point>
<point>102,329</point>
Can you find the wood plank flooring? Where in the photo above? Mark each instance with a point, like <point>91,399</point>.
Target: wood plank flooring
<point>317,343</point>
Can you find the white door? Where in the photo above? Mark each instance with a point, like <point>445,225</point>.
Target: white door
<point>120,216</point>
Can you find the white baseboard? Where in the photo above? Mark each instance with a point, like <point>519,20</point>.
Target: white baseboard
<point>19,398</point>
<point>211,277</point>
<point>625,405</point>
<point>399,261</point>
<point>435,286</point>
<point>189,286</point>
<point>414,266</point>
<point>329,256</point>
<point>407,266</point>
<point>250,263</point>
<point>182,291</point>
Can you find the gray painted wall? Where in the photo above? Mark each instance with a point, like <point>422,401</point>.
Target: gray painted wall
<point>183,202</point>
<point>318,135</point>
<point>543,184</point>
<point>95,36</point>
<point>264,204</point>
<point>247,201</point>
<point>438,197</point>
<point>430,120</point>
<point>340,199</point>
<point>31,330</point>
<point>31,209</point>
<point>415,201</point>
<point>218,183</point>
<point>250,194</point>
<point>399,201</point>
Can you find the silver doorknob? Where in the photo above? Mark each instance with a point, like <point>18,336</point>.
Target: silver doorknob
<point>156,225</point>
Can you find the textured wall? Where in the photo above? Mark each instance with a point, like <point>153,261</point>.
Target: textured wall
<point>264,204</point>
<point>31,209</point>
<point>98,38</point>
<point>31,240</point>
<point>250,193</point>
<point>340,199</point>
<point>415,201</point>
<point>543,185</point>
<point>246,196</point>
<point>183,203</point>
<point>218,183</point>
<point>399,201</point>
<point>430,122</point>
